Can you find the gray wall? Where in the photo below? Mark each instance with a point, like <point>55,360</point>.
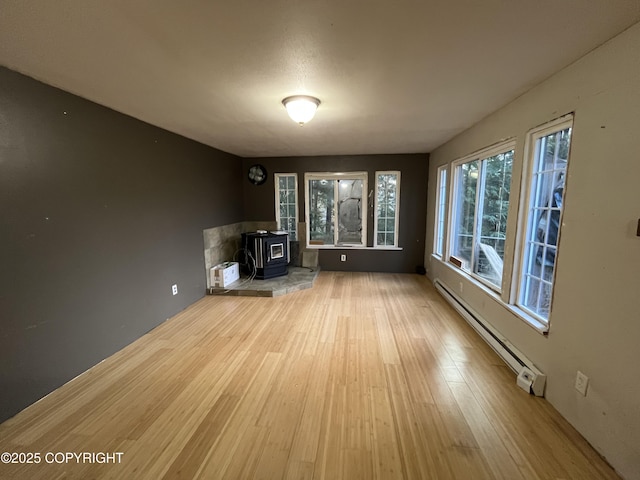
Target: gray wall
<point>260,205</point>
<point>100,215</point>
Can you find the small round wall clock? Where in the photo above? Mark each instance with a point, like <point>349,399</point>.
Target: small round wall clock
<point>257,174</point>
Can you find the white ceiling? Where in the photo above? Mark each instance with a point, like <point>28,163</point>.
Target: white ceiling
<point>396,76</point>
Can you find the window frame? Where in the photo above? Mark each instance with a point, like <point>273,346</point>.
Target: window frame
<point>440,224</point>
<point>276,179</point>
<point>397,209</point>
<point>358,175</point>
<point>480,157</point>
<point>527,197</point>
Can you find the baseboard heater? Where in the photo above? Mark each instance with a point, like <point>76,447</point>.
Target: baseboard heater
<point>529,378</point>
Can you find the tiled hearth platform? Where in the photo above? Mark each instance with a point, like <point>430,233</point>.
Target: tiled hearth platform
<point>298,278</point>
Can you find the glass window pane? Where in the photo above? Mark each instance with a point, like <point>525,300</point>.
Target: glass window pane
<point>286,203</point>
<point>391,226</point>
<point>533,290</point>
<point>440,212</point>
<point>495,188</point>
<point>350,211</point>
<point>467,180</point>
<point>550,160</point>
<point>321,229</point>
<point>387,185</point>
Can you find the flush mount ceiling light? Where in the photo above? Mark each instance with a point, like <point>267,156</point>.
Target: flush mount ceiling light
<point>301,108</point>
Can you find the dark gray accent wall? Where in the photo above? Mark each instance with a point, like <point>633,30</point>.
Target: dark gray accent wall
<point>100,215</point>
<point>259,204</point>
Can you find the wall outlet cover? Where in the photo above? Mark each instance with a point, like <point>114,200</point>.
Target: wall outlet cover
<point>582,382</point>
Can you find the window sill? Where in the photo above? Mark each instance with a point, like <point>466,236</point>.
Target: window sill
<point>351,247</point>
<point>537,325</point>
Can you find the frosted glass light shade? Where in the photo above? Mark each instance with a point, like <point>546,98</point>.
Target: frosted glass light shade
<point>301,108</point>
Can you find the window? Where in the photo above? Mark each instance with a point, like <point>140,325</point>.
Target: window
<point>441,202</point>
<point>336,213</point>
<point>480,206</point>
<point>387,209</point>
<point>548,159</point>
<point>287,203</point>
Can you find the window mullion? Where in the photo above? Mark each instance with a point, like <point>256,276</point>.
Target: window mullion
<point>334,211</point>
<point>458,211</point>
<point>477,219</point>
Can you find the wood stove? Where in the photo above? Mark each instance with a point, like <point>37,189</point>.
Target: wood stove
<point>266,253</point>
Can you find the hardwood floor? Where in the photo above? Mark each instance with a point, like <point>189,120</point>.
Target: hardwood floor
<point>363,376</point>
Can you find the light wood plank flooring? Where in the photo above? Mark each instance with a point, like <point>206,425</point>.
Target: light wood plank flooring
<point>363,376</point>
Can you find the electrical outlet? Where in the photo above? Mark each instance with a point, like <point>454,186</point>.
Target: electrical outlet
<point>174,289</point>
<point>582,381</point>
<point>343,258</point>
<point>461,285</point>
